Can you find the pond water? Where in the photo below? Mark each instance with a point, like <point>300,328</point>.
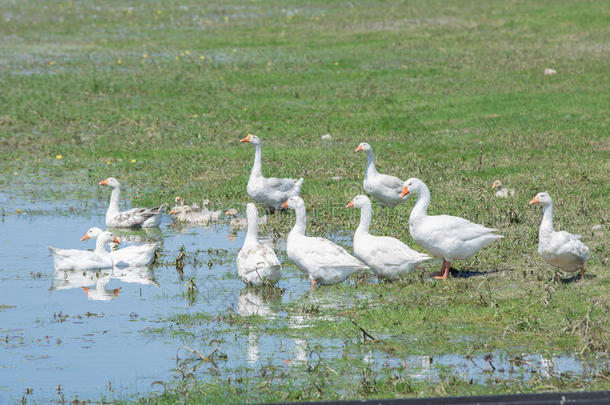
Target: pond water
<point>106,334</point>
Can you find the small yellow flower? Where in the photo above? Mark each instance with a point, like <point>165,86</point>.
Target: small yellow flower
<point>119,61</point>
<point>234,50</point>
<point>58,157</point>
<point>128,12</point>
<point>336,63</point>
<point>182,54</point>
<point>144,55</point>
<point>133,160</point>
<point>51,63</point>
<point>202,57</point>
<point>195,115</point>
<point>187,52</point>
<point>226,19</point>
<point>158,11</point>
<point>18,211</point>
<point>177,58</point>
<point>245,108</point>
<point>108,162</point>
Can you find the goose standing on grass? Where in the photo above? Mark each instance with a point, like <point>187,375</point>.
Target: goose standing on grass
<point>445,236</point>
<point>387,256</point>
<point>384,188</point>
<point>257,264</point>
<point>321,259</point>
<point>560,249</point>
<point>502,192</point>
<point>135,217</point>
<point>271,192</point>
<point>73,259</point>
<point>141,255</point>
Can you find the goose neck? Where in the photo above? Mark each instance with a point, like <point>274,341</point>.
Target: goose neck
<point>546,226</point>
<point>252,233</point>
<point>370,162</point>
<point>100,247</point>
<point>421,205</point>
<point>366,212</point>
<point>301,220</point>
<point>257,168</point>
<point>113,207</point>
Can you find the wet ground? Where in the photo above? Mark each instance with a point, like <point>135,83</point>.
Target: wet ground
<point>109,334</point>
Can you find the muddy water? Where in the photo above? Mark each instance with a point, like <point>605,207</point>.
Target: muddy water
<point>105,334</point>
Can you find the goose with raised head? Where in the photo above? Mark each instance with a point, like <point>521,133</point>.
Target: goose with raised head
<point>383,187</point>
<point>133,218</point>
<point>269,191</point>
<point>322,260</point>
<point>387,256</point>
<point>560,249</point>
<point>257,264</point>
<point>141,255</point>
<point>192,214</point>
<point>501,191</point>
<point>445,236</point>
<point>74,259</point>
<point>211,216</point>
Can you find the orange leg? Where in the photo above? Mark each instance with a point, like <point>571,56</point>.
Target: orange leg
<point>444,273</point>
<point>313,285</point>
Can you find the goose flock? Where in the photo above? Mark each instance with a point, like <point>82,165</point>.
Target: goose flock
<point>446,237</point>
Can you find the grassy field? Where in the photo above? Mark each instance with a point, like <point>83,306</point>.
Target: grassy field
<point>158,94</point>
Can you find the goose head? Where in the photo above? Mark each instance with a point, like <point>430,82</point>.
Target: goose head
<point>543,199</point>
<point>497,183</point>
<point>110,182</point>
<point>231,213</point>
<point>293,202</point>
<point>253,139</point>
<point>107,237</point>
<point>92,233</point>
<point>412,185</point>
<point>363,146</point>
<point>359,201</point>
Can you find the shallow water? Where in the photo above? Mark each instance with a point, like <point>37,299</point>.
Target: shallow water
<point>89,335</point>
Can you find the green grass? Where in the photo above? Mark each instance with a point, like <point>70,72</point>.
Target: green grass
<point>450,92</point>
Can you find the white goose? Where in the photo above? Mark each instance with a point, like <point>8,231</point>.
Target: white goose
<point>141,255</point>
<point>321,259</point>
<point>560,249</point>
<point>384,188</point>
<point>270,191</point>
<point>135,217</point>
<point>257,264</point>
<point>387,256</point>
<point>502,192</point>
<point>445,236</point>
<point>211,215</point>
<point>66,259</point>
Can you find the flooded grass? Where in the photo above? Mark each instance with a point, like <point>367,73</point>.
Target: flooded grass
<point>159,94</point>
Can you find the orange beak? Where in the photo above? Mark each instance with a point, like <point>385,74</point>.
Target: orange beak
<point>104,183</point>
<point>494,186</point>
<point>285,205</point>
<point>246,139</point>
<point>171,212</point>
<point>405,191</point>
<point>84,237</point>
<point>350,204</point>
<point>115,240</point>
<point>534,200</point>
<point>86,290</point>
<point>359,148</point>
<point>116,292</point>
